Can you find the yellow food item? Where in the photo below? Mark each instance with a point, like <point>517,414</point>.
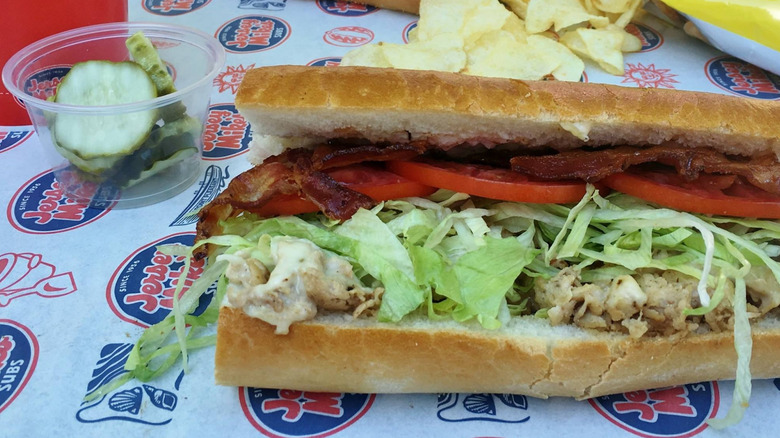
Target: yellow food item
<point>522,39</point>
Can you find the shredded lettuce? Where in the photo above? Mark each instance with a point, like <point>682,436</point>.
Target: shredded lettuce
<point>452,256</point>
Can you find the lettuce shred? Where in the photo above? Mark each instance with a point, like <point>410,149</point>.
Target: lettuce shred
<point>467,258</point>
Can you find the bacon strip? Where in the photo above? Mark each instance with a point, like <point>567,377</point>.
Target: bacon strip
<point>298,172</point>
<point>593,165</point>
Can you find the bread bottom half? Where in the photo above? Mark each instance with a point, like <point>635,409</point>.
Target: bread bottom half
<point>334,353</point>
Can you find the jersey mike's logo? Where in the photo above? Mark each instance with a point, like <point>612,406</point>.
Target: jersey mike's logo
<point>18,356</point>
<point>133,402</point>
<point>650,38</point>
<point>41,205</point>
<point>24,274</point>
<point>349,36</point>
<point>13,138</point>
<point>43,83</point>
<point>226,133</point>
<point>408,31</point>
<point>739,77</point>
<point>499,408</point>
<point>253,33</point>
<point>325,62</point>
<point>141,290</point>
<point>214,180</point>
<point>680,411</point>
<point>173,7</point>
<point>266,5</point>
<point>302,414</point>
<point>345,8</point>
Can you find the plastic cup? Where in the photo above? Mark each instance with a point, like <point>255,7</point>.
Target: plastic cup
<point>193,58</point>
<point>25,22</point>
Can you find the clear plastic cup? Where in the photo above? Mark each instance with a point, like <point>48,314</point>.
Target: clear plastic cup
<point>168,159</point>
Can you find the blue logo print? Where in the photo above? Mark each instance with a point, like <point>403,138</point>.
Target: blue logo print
<point>741,78</point>
<point>302,414</point>
<point>253,33</point>
<point>214,180</point>
<point>678,411</point>
<point>500,408</point>
<point>125,403</point>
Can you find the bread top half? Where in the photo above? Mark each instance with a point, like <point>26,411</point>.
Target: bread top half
<point>449,109</point>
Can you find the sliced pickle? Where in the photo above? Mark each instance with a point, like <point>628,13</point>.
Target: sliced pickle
<point>101,83</point>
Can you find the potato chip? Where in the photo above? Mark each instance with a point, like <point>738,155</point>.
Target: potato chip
<point>613,6</point>
<point>630,42</point>
<point>517,6</point>
<point>570,66</point>
<point>626,17</point>
<point>469,18</point>
<point>442,52</point>
<point>516,27</point>
<point>499,54</point>
<point>601,45</point>
<point>559,14</point>
<point>369,55</point>
<point>511,38</point>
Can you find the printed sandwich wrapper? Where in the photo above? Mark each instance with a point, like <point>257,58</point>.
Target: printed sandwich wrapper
<point>77,285</point>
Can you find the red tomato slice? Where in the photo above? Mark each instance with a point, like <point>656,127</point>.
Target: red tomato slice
<point>710,194</point>
<point>489,182</point>
<point>375,182</point>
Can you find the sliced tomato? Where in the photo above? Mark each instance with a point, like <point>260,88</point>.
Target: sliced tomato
<point>710,194</point>
<point>489,182</point>
<point>373,181</point>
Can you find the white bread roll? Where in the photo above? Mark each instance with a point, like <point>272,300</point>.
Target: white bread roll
<point>335,353</point>
<point>448,109</point>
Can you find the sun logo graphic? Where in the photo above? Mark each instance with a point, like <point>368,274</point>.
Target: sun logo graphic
<point>649,76</point>
<point>231,78</point>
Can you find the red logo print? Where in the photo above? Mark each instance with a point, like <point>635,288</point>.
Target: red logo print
<point>649,76</point>
<point>55,205</point>
<point>231,78</point>
<point>748,78</point>
<point>295,403</point>
<point>254,32</point>
<point>156,288</point>
<point>349,36</point>
<point>649,404</point>
<point>7,345</point>
<point>27,274</point>
<point>224,129</point>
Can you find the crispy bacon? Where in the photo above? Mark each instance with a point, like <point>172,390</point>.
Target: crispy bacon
<point>298,172</point>
<point>593,165</point>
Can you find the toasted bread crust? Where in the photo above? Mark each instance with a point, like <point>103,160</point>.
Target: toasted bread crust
<point>532,358</point>
<point>447,109</point>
